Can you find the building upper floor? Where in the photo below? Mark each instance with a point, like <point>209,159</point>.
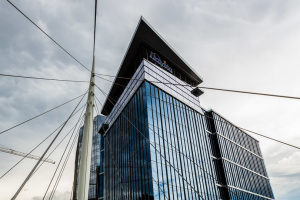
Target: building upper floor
<point>147,44</point>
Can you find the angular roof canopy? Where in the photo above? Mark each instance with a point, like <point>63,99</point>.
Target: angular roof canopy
<point>144,33</point>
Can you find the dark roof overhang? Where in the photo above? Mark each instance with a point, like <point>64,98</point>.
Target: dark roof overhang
<point>145,34</point>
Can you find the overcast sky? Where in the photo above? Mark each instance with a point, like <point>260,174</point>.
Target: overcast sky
<point>250,45</point>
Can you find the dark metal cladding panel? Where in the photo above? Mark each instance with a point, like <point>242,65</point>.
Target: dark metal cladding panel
<point>197,92</point>
<point>145,34</point>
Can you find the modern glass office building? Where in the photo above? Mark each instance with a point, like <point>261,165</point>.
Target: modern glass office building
<point>157,142</point>
<point>96,175</point>
<point>160,150</point>
<point>237,160</point>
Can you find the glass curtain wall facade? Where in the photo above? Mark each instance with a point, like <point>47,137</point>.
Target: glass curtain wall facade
<point>160,144</point>
<point>180,154</point>
<point>238,161</point>
<point>158,149</point>
<point>95,180</point>
<point>157,76</point>
<point>100,167</point>
<point>127,153</point>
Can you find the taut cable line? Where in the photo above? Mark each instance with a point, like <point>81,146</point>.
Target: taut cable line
<point>64,152</point>
<point>39,78</point>
<point>122,134</point>
<point>173,147</point>
<point>40,114</point>
<point>246,92</point>
<point>177,171</point>
<point>55,148</point>
<point>37,147</point>
<point>116,167</point>
<point>65,163</point>
<point>47,35</point>
<point>148,172</point>
<point>208,88</point>
<point>229,123</point>
<point>227,90</point>
<point>36,165</point>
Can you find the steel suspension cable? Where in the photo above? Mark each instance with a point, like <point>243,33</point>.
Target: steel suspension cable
<point>110,150</point>
<point>148,172</point>
<point>36,148</point>
<point>120,179</point>
<point>272,95</point>
<point>55,148</point>
<point>47,35</point>
<point>176,150</point>
<point>36,165</point>
<point>145,167</point>
<point>70,149</point>
<point>39,78</point>
<point>41,114</point>
<point>116,167</point>
<point>158,151</point>
<point>64,152</point>
<point>136,155</point>
<point>182,125</point>
<point>246,92</point>
<point>65,163</point>
<point>96,108</point>
<point>74,179</point>
<point>167,141</point>
<point>208,88</point>
<point>86,150</point>
<point>229,123</point>
<point>121,132</point>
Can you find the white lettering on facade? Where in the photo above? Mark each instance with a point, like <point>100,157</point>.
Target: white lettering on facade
<point>157,59</point>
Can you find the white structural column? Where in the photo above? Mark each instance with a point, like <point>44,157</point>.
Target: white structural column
<point>86,146</point>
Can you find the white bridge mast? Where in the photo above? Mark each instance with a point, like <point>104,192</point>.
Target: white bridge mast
<point>86,146</point>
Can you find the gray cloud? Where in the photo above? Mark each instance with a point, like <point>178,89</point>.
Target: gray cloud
<point>57,196</point>
<point>249,45</point>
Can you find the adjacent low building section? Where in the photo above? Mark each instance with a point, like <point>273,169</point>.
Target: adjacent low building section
<point>238,160</point>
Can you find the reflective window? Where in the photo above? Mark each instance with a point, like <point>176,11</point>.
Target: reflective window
<point>158,149</point>
<point>239,162</point>
<point>96,161</point>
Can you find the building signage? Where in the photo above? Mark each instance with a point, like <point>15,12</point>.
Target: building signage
<point>157,59</point>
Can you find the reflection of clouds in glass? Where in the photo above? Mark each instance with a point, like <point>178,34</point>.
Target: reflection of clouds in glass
<point>181,148</point>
